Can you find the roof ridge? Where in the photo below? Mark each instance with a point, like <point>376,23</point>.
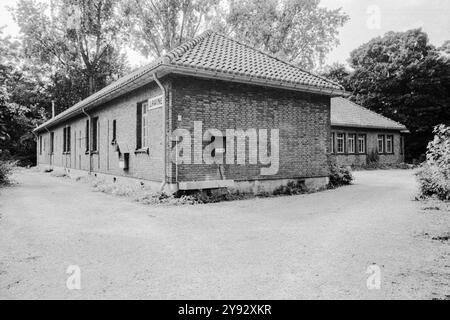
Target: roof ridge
<point>275,57</point>
<point>187,45</point>
<point>371,111</point>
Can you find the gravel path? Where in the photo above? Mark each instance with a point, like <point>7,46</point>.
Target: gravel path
<point>299,247</point>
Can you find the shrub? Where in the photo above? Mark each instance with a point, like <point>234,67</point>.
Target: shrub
<point>6,168</point>
<point>434,175</point>
<point>373,158</point>
<point>292,188</point>
<point>339,176</point>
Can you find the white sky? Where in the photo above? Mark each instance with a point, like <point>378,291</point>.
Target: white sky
<point>368,19</point>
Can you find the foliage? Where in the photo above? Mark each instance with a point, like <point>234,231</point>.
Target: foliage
<point>292,188</point>
<point>76,36</point>
<point>339,176</point>
<point>299,31</point>
<point>402,76</point>
<point>6,168</point>
<point>373,158</point>
<point>156,27</point>
<point>338,73</point>
<point>434,176</point>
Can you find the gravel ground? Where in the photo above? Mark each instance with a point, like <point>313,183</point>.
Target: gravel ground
<point>315,246</point>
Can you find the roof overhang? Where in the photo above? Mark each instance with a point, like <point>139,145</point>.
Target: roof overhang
<point>361,126</point>
<point>160,69</point>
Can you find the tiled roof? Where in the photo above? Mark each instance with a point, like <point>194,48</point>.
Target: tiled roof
<point>217,53</point>
<point>348,114</point>
<point>215,56</point>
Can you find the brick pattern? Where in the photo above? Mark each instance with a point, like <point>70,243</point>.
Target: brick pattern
<point>303,121</point>
<point>106,160</point>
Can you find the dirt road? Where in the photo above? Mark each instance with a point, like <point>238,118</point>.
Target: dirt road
<point>300,247</point>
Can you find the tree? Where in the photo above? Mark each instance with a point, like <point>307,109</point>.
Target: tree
<point>338,73</point>
<point>402,76</point>
<point>21,98</point>
<point>299,31</point>
<point>156,27</point>
<point>74,37</point>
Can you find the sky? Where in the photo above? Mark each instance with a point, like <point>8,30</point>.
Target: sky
<point>368,19</point>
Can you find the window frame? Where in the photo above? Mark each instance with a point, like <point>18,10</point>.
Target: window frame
<point>352,137</point>
<point>338,139</point>
<point>362,137</point>
<point>391,138</point>
<point>381,138</point>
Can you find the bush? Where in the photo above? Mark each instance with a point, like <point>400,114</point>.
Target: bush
<point>292,188</point>
<point>6,168</point>
<point>434,175</point>
<point>339,176</point>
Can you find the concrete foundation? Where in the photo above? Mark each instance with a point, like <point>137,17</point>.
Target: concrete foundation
<point>254,186</point>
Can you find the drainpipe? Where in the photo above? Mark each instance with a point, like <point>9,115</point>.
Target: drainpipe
<point>90,139</point>
<point>164,137</point>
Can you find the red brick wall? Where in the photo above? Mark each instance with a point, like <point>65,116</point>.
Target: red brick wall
<point>303,121</point>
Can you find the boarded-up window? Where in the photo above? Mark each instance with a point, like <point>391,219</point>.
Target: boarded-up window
<point>87,136</point>
<point>95,127</point>
<point>52,142</point>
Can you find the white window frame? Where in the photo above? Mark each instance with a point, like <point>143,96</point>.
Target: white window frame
<point>362,139</point>
<point>144,124</point>
<point>351,143</point>
<point>340,137</point>
<point>390,144</point>
<point>380,138</point>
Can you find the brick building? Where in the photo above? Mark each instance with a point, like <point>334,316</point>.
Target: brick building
<point>126,129</point>
<point>358,133</point>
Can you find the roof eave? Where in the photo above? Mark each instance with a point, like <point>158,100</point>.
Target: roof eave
<point>90,102</point>
<point>233,77</point>
<point>361,126</point>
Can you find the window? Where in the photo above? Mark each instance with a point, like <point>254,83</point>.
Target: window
<point>142,126</point>
<point>351,143</point>
<point>340,142</point>
<point>389,144</point>
<point>87,136</point>
<point>114,131</point>
<point>40,145</point>
<point>66,140</point>
<point>332,143</point>
<point>52,142</point>
<point>95,127</point>
<point>362,143</point>
<point>380,143</point>
<point>402,145</point>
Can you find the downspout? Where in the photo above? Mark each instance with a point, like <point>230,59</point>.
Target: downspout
<point>164,137</point>
<point>90,139</point>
